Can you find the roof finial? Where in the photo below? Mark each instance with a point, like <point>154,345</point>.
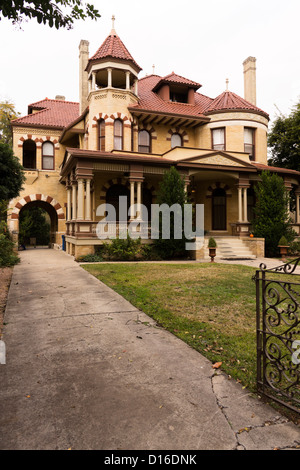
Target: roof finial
<point>113,31</point>
<point>227,83</point>
<point>153,69</point>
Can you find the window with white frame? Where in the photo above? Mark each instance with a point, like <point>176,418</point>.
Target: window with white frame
<point>249,142</point>
<point>218,138</point>
<point>48,156</point>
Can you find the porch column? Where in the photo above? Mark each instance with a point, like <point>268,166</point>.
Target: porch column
<point>69,203</point>
<point>74,200</point>
<point>245,205</point>
<point>132,190</point>
<point>139,199</point>
<point>88,199</point>
<point>240,205</point>
<point>80,212</point>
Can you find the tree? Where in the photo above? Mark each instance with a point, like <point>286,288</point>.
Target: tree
<point>272,220</point>
<point>12,175</point>
<point>284,140</point>
<point>7,114</point>
<point>58,13</point>
<point>172,192</point>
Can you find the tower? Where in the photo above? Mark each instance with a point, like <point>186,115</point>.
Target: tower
<point>112,77</point>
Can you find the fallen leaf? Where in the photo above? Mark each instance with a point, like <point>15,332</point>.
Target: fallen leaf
<point>217,365</point>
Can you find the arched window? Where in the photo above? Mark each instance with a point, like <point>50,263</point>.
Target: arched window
<point>144,141</point>
<point>176,140</point>
<point>29,154</point>
<point>118,134</point>
<point>48,156</point>
<point>219,209</point>
<point>101,135</point>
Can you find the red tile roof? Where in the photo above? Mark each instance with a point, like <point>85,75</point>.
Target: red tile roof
<point>230,101</point>
<point>150,101</point>
<point>49,113</point>
<point>177,79</point>
<point>113,47</point>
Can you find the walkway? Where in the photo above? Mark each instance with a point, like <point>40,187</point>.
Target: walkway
<point>87,370</point>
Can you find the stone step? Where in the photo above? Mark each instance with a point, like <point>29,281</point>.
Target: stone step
<point>232,248</point>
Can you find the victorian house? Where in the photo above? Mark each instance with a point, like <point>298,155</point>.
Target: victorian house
<point>123,135</point>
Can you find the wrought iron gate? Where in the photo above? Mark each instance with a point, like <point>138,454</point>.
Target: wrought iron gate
<point>278,333</point>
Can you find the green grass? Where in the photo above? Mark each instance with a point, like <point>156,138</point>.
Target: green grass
<point>209,306</point>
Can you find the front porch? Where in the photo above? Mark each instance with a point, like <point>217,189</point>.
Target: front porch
<point>96,178</point>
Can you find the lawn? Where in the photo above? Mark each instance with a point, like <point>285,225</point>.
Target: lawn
<point>209,306</point>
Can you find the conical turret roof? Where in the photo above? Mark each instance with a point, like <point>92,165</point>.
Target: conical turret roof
<point>114,48</point>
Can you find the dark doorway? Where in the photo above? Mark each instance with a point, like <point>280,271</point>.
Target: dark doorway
<point>112,197</point>
<point>219,209</point>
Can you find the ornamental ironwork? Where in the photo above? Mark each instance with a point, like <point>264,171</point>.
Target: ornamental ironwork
<point>278,333</point>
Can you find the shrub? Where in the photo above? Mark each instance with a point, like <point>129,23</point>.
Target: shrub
<point>7,255</point>
<point>283,242</point>
<point>119,249</point>
<point>212,243</point>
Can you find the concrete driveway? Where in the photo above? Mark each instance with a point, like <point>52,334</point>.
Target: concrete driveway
<point>87,370</point>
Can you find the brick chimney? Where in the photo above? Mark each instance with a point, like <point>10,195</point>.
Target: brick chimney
<point>250,80</point>
<point>83,76</point>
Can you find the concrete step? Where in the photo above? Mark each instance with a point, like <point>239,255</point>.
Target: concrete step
<point>232,248</point>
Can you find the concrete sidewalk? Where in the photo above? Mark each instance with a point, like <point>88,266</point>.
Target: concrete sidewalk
<point>87,370</point>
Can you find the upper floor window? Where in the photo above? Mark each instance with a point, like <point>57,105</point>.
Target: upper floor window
<point>101,135</point>
<point>29,154</point>
<point>48,156</point>
<point>176,140</point>
<point>144,142</point>
<point>218,138</point>
<point>249,142</point>
<point>118,134</point>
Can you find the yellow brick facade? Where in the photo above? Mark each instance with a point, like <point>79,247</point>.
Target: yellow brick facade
<point>221,180</point>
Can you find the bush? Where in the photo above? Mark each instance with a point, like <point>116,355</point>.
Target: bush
<point>119,249</point>
<point>7,255</point>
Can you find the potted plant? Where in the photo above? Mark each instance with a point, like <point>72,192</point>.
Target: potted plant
<point>283,247</point>
<point>212,245</point>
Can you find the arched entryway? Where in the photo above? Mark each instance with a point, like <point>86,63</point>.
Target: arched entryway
<point>46,203</point>
<point>38,224</point>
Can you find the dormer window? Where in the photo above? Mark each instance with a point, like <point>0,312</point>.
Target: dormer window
<point>178,97</point>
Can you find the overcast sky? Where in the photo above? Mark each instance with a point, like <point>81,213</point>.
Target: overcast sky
<point>206,41</point>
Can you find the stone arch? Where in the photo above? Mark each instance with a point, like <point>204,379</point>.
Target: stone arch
<point>107,186</point>
<point>36,198</point>
<point>38,140</point>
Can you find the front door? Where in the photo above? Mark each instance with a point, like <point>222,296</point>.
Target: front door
<point>219,209</point>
